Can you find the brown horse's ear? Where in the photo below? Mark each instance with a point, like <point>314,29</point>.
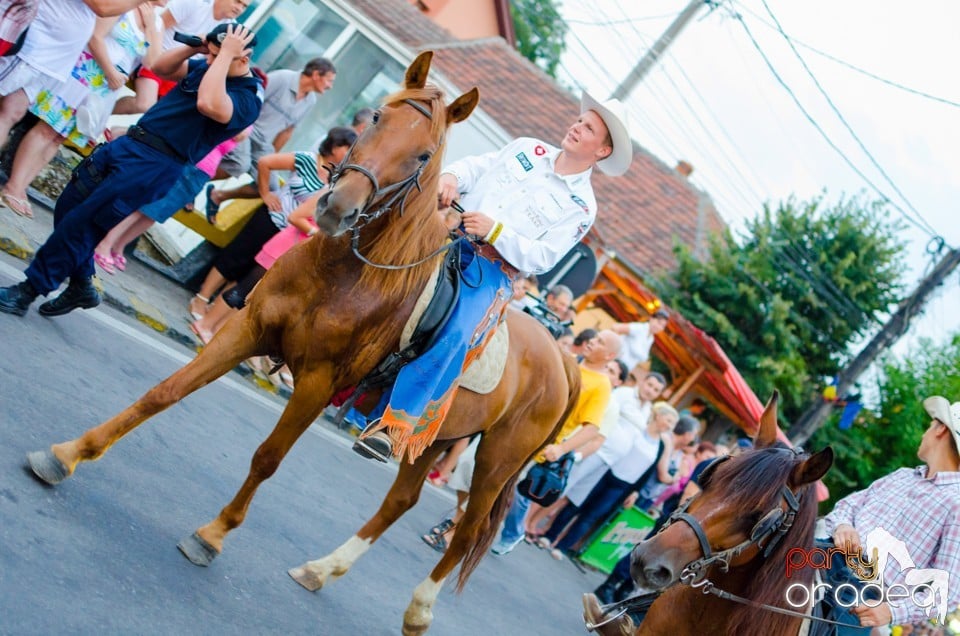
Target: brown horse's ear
<point>767,433</point>
<point>812,468</point>
<point>417,72</point>
<point>462,106</point>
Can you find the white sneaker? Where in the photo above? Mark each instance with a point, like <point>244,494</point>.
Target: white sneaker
<point>501,547</point>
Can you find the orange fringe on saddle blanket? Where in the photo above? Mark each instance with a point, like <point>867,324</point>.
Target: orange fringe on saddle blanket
<point>424,390</point>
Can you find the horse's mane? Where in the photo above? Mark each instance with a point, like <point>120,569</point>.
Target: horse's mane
<point>408,238</point>
<point>760,473</point>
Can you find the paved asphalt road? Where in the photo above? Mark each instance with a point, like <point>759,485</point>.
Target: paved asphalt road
<point>98,553</point>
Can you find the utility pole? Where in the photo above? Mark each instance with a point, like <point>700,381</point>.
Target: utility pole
<point>653,55</point>
<point>898,324</point>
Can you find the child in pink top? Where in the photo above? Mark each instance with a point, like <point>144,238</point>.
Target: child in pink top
<point>301,227</point>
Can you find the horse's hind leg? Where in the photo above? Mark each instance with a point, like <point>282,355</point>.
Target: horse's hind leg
<point>403,495</point>
<point>311,394</point>
<point>233,344</point>
<point>500,457</point>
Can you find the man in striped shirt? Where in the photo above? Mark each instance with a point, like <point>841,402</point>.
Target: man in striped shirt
<point>920,507</point>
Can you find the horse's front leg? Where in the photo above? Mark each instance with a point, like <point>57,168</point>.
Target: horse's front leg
<point>311,393</point>
<point>234,343</point>
<point>403,495</point>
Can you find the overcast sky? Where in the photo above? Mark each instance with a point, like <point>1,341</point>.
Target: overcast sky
<point>714,103</point>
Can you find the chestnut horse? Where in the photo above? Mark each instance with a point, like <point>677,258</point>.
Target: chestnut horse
<point>333,319</point>
<point>734,537</point>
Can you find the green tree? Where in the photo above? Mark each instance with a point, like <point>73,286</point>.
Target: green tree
<point>541,32</point>
<point>887,437</point>
<point>786,300</point>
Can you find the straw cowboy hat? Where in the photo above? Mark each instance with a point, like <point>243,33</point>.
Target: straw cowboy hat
<point>614,115</point>
<point>939,408</point>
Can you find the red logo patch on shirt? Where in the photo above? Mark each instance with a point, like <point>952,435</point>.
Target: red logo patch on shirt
<point>539,151</point>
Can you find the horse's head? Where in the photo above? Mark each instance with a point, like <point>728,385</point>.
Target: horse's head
<point>400,150</point>
<point>752,507</point>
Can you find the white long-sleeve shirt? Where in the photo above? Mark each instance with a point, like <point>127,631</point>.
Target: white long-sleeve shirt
<point>543,214</point>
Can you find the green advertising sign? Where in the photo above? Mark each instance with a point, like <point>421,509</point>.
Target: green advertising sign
<point>616,539</point>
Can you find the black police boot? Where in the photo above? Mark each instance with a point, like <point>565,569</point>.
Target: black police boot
<point>376,446</point>
<point>79,294</point>
<point>16,299</point>
<point>623,591</point>
<point>607,591</point>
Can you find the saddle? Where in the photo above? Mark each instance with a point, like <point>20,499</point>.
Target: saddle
<point>431,313</point>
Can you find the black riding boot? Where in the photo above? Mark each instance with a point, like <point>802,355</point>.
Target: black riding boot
<point>608,590</point>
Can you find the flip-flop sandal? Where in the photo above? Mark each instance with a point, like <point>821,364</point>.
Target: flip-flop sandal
<point>196,315</point>
<point>435,541</point>
<point>18,206</point>
<point>106,263</point>
<point>441,528</point>
<point>119,260</point>
<point>211,208</point>
<point>204,337</point>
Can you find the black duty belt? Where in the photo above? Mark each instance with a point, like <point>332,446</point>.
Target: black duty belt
<point>147,138</point>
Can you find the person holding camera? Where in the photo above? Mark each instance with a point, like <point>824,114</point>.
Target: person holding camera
<point>529,203</point>
<point>215,99</point>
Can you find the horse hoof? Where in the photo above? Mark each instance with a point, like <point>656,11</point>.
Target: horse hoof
<point>197,550</point>
<point>308,580</point>
<point>46,467</point>
<point>414,630</point>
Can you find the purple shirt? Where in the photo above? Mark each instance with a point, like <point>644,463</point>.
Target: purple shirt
<point>923,513</point>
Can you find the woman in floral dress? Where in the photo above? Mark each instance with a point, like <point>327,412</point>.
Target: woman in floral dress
<point>117,46</point>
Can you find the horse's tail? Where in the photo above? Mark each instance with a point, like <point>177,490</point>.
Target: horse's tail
<point>501,506</point>
<point>572,371</point>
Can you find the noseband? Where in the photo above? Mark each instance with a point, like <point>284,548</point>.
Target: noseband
<point>765,535</point>
<point>390,195</point>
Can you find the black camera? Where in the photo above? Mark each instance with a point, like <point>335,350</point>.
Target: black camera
<point>537,308</point>
<point>190,40</point>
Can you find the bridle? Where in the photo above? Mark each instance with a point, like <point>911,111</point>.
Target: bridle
<point>388,197</point>
<point>766,534</point>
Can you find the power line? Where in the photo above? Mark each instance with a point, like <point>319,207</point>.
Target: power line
<point>624,20</point>
<point>718,124</point>
<point>846,124</point>
<point>822,132</point>
<point>855,68</point>
<point>747,195</point>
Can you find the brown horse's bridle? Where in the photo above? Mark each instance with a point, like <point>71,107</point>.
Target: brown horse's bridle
<point>388,197</point>
<point>765,535</point>
<point>392,194</point>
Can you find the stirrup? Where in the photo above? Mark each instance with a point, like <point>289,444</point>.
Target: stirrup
<point>376,446</point>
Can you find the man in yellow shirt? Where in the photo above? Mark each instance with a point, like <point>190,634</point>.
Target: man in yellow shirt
<point>581,426</point>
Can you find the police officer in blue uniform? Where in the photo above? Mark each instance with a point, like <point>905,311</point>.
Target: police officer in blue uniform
<point>217,97</point>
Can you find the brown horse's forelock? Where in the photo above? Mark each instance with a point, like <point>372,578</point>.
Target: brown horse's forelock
<point>762,472</point>
<point>409,238</point>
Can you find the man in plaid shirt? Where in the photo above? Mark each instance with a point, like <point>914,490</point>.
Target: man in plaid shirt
<point>919,506</point>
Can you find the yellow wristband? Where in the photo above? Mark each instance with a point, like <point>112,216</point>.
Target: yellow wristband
<point>494,233</point>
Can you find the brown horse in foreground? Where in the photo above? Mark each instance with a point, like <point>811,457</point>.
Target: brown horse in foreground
<point>762,496</point>
<point>333,319</point>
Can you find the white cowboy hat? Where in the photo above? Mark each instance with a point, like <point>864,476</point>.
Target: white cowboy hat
<point>614,116</point>
<point>939,408</point>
